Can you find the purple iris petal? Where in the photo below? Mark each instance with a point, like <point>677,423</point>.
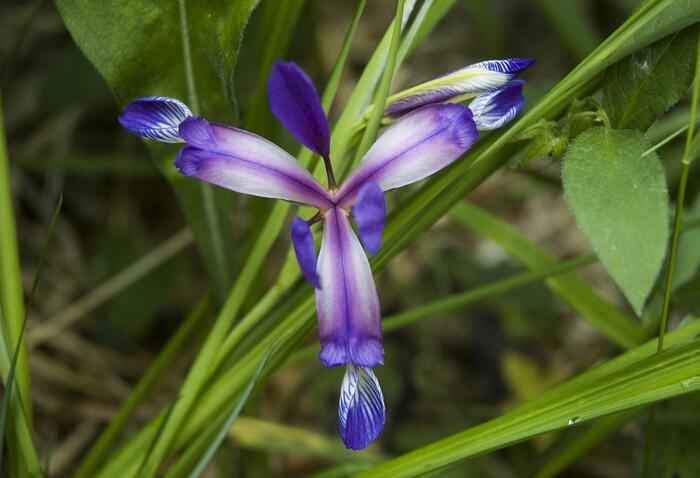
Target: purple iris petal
<point>245,163</point>
<point>416,146</point>
<point>370,213</point>
<point>361,410</point>
<point>349,321</point>
<point>303,242</point>
<point>494,109</point>
<point>473,79</point>
<point>295,102</point>
<point>155,117</point>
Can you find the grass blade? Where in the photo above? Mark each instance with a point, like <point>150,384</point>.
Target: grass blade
<point>10,382</point>
<point>221,435</point>
<point>602,315</point>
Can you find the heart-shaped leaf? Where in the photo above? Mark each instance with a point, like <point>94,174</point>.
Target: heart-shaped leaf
<point>619,198</point>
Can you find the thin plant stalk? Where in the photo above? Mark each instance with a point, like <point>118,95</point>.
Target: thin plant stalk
<point>675,238</point>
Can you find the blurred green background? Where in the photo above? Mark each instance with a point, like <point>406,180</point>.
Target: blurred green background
<point>121,272</point>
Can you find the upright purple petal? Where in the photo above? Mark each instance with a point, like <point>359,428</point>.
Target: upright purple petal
<point>416,146</point>
<point>245,163</point>
<point>497,108</point>
<point>361,410</point>
<point>458,85</point>
<point>303,242</point>
<point>370,214</point>
<point>155,117</point>
<point>349,320</point>
<point>295,102</point>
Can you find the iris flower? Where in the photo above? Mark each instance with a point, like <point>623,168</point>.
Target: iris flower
<point>428,135</point>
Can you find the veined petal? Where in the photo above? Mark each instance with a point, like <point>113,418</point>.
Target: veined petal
<point>370,214</point>
<point>349,319</point>
<point>155,117</point>
<point>496,108</point>
<point>245,163</point>
<point>361,410</point>
<point>295,102</point>
<point>416,146</point>
<point>458,85</point>
<point>303,242</point>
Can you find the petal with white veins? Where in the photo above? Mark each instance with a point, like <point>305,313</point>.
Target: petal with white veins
<point>459,85</point>
<point>361,410</point>
<point>155,117</point>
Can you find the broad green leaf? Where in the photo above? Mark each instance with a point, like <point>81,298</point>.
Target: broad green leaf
<point>166,49</point>
<point>619,198</point>
<point>640,88</point>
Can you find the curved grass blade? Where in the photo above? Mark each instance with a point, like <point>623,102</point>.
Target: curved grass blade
<point>10,382</point>
<point>209,454</point>
<point>672,373</point>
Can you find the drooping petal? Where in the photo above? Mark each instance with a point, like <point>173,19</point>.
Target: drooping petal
<point>458,85</point>
<point>245,163</point>
<point>303,242</point>
<point>155,117</point>
<point>416,146</point>
<point>361,410</point>
<point>496,108</point>
<point>295,102</point>
<point>349,320</point>
<point>370,214</point>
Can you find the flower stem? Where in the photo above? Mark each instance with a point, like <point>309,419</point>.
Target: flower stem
<point>677,221</point>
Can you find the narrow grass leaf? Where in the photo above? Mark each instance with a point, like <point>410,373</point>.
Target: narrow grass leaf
<point>10,382</point>
<point>583,299</point>
<point>673,373</point>
<point>221,436</point>
<point>620,201</point>
<point>573,26</point>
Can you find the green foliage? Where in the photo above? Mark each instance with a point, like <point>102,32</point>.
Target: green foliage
<point>581,297</point>
<point>620,200</point>
<point>636,378</point>
<point>153,48</point>
<point>638,89</point>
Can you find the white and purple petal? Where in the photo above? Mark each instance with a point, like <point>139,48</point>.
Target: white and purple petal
<point>303,242</point>
<point>155,117</point>
<point>245,163</point>
<point>416,146</point>
<point>295,102</point>
<point>349,319</point>
<point>369,212</point>
<point>497,108</point>
<point>458,85</point>
<point>361,410</point>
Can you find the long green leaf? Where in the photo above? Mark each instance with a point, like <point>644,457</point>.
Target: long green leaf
<point>9,384</point>
<point>13,318</point>
<point>602,315</point>
<point>221,435</point>
<point>673,373</point>
<point>162,48</point>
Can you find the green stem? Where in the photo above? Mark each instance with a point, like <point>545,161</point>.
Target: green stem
<point>677,222</point>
